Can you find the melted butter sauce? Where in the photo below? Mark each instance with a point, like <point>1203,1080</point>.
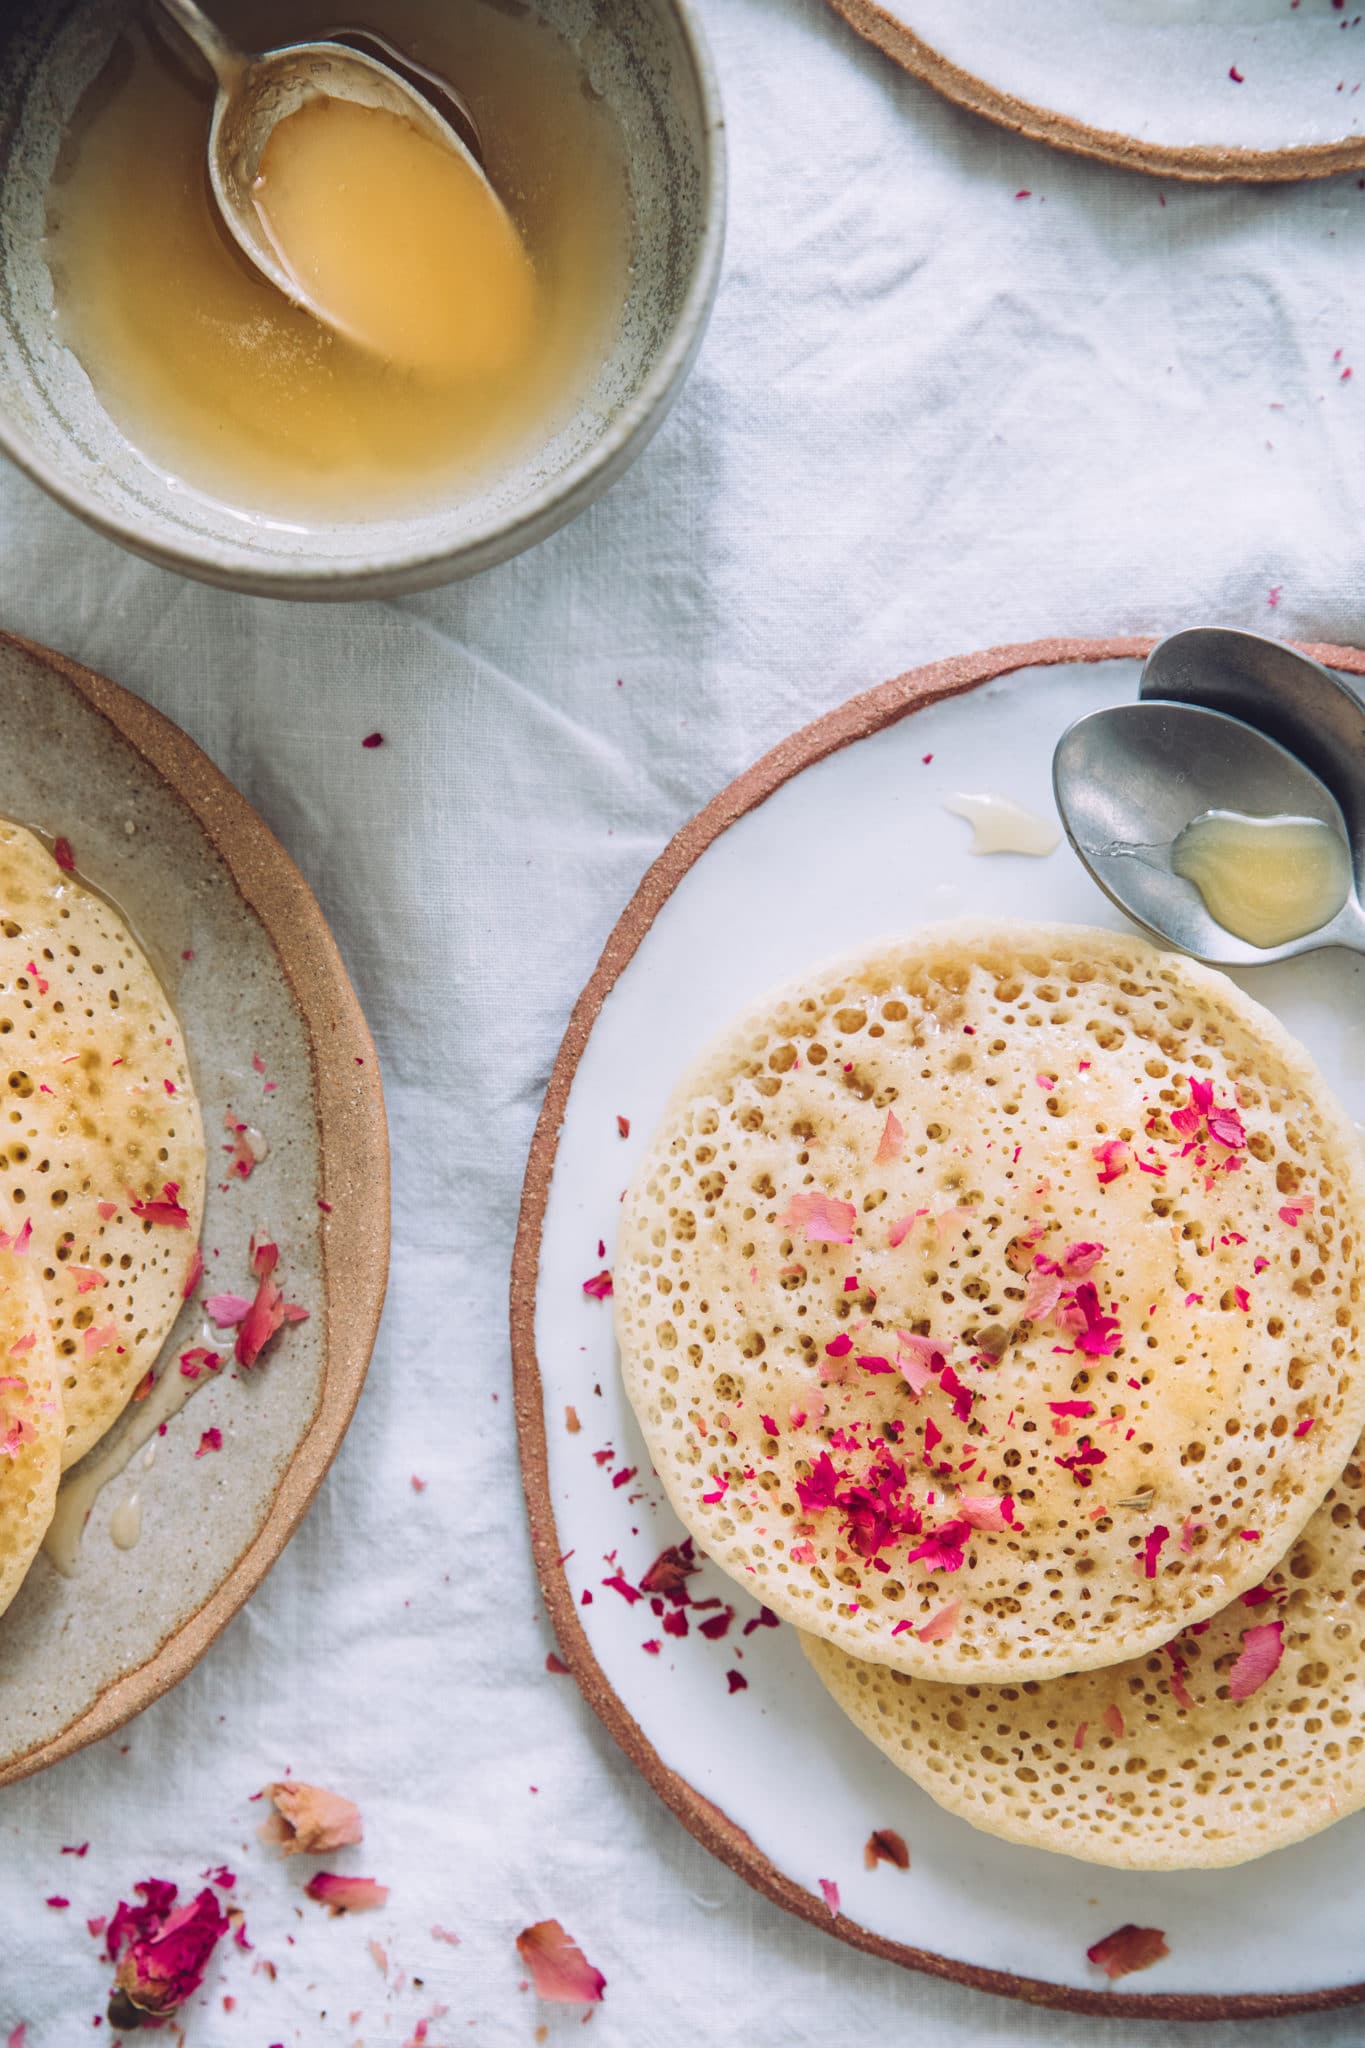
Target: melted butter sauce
<point>80,1490</point>
<point>1265,880</point>
<point>999,825</point>
<point>478,336</point>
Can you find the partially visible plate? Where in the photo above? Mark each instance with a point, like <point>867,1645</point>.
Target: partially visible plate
<point>254,973</point>
<point>1201,89</point>
<point>836,838</point>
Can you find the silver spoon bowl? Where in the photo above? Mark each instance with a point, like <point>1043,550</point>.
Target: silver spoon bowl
<point>256,93</point>
<point>1129,779</point>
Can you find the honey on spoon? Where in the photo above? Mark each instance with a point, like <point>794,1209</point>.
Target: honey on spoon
<point>347,189</point>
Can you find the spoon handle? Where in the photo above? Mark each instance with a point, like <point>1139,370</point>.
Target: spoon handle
<point>224,58</point>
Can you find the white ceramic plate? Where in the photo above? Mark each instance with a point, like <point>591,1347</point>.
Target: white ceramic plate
<point>1185,88</point>
<point>718,922</point>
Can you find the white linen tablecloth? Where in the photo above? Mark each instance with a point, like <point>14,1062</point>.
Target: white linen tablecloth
<point>958,390</point>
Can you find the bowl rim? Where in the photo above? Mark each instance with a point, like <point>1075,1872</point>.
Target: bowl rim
<point>535,517</point>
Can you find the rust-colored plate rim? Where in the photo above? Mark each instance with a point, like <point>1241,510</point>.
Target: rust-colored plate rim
<point>863,715</point>
<point>1195,164</point>
<point>354,1170</point>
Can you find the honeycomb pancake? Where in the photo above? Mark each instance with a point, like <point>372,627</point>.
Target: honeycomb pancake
<point>1155,1764</point>
<point>31,1423</point>
<point>990,1302</point>
<point>101,1119</point>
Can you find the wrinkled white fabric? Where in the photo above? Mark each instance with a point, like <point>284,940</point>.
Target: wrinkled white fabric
<point>930,415</point>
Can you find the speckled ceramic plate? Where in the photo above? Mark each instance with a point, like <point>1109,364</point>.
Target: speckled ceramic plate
<point>760,1765</point>
<point>1204,89</point>
<point>155,827</point>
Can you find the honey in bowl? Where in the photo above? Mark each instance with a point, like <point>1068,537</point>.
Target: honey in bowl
<point>471,336</point>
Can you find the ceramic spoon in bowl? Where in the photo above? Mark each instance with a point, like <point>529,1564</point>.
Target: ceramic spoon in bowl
<point>1141,787</point>
<point>256,93</point>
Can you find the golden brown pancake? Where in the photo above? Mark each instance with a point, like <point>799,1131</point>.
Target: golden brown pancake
<point>990,1302</point>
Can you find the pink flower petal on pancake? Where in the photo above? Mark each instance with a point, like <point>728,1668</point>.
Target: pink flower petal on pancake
<point>1293,1212</point>
<point>1113,1720</point>
<point>1262,1649</point>
<point>919,1358</point>
<point>986,1511</point>
<point>309,1820</point>
<point>1112,1157</point>
<point>902,1228</point>
<point>824,1220</point>
<point>1041,1294</point>
<point>892,1139</point>
<point>941,1625</point>
<point>87,1278</point>
<point>344,1894</point>
<point>559,1969</point>
<point>1151,1549</point>
<point>97,1336</point>
<point>1079,1258</point>
<point>943,1549</point>
<point>168,1210</point>
<point>1127,1949</point>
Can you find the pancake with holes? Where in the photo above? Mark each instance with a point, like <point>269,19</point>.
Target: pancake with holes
<point>31,1422</point>
<point>1243,1735</point>
<point>991,1302</point>
<point>100,1132</point>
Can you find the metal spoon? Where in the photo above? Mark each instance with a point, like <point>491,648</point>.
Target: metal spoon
<point>256,93</point>
<point>1129,779</point>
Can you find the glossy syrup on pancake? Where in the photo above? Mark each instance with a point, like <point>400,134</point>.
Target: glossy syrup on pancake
<point>990,1302</point>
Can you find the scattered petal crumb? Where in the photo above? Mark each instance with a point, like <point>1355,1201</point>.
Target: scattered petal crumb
<point>211,1440</point>
<point>559,1969</point>
<point>736,1681</point>
<point>1127,1949</point>
<point>831,1894</point>
<point>309,1820</point>
<point>62,854</point>
<point>373,739</point>
<point>884,1845</point>
<point>345,1894</point>
<point>623,1125</point>
<point>444,1934</point>
<point>556,1664</point>
<point>599,1286</point>
<point>571,1421</point>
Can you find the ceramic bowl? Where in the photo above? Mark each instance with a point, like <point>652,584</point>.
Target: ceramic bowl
<point>646,57</point>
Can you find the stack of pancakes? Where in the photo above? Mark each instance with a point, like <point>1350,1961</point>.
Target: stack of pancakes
<point>102,1170</point>
<point>992,1306</point>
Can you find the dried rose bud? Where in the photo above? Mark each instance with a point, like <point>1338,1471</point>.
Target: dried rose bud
<point>162,1951</point>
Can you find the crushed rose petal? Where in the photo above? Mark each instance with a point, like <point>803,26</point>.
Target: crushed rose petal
<point>1127,1949</point>
<point>309,1820</point>
<point>345,1894</point>
<point>559,1969</point>
<point>1262,1649</point>
<point>884,1845</point>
